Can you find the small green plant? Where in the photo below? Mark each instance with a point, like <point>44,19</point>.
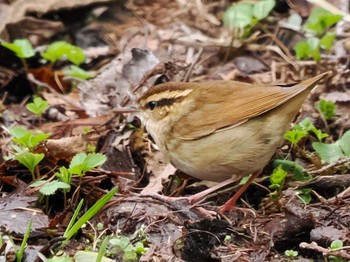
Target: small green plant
<point>245,15</point>
<point>305,195</point>
<point>332,152</point>
<point>78,72</point>
<point>19,253</point>
<point>30,161</point>
<point>55,51</point>
<point>21,47</point>
<point>80,164</point>
<point>73,226</point>
<point>131,252</point>
<point>301,130</point>
<point>38,106</point>
<point>277,179</point>
<point>26,138</point>
<point>291,253</point>
<point>336,245</point>
<point>62,49</point>
<point>292,167</point>
<point>317,25</point>
<point>326,108</point>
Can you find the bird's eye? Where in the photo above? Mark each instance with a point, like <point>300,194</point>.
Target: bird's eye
<point>152,105</point>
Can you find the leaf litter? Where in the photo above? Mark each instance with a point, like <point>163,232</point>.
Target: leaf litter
<point>180,41</point>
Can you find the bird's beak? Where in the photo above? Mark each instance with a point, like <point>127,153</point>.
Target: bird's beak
<point>126,110</point>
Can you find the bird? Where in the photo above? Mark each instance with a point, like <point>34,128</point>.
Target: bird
<point>221,130</point>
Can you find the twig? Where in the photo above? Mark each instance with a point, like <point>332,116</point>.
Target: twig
<point>324,251</point>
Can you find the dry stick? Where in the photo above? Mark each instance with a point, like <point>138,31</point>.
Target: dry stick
<point>189,71</point>
<point>339,162</point>
<point>325,251</point>
<point>37,82</point>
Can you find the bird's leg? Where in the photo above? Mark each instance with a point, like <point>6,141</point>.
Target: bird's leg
<point>199,196</point>
<point>230,204</point>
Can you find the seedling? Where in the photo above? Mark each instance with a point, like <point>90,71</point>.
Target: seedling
<point>21,47</point>
<point>30,161</point>
<point>19,253</point>
<point>335,246</point>
<point>73,226</point>
<point>38,106</point>
<point>317,25</point>
<point>246,15</point>
<point>326,108</point>
<point>292,167</point>
<point>332,152</point>
<point>305,195</point>
<point>291,253</point>
<point>26,138</point>
<point>130,251</point>
<point>301,130</point>
<point>62,49</point>
<point>277,179</point>
<point>102,249</point>
<point>81,163</point>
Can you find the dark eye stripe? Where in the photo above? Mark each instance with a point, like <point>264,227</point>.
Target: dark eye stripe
<point>163,102</point>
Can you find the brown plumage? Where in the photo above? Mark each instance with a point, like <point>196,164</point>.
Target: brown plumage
<point>221,130</point>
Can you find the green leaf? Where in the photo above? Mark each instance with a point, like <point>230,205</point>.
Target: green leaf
<point>37,183</point>
<point>89,214</point>
<point>77,164</point>
<point>21,47</point>
<point>314,48</point>
<point>328,152</point>
<point>320,20</point>
<point>309,48</point>
<point>130,256</point>
<point>78,72</point>
<point>239,15</point>
<point>81,163</point>
<point>308,126</point>
<point>344,143</point>
<point>60,49</point>
<point>336,244</point>
<point>20,253</point>
<point>121,242</point>
<point>94,160</point>
<point>301,49</point>
<point>277,178</point>
<point>139,248</point>
<point>38,106</point>
<point>327,41</point>
<point>291,253</point>
<point>319,134</point>
<point>305,195</point>
<point>326,108</point>
<point>64,175</point>
<point>26,138</point>
<point>261,9</point>
<point>294,136</point>
<point>30,160</point>
<point>50,188</point>
<point>19,132</point>
<point>293,167</point>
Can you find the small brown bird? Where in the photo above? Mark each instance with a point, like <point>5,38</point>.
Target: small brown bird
<point>221,130</point>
